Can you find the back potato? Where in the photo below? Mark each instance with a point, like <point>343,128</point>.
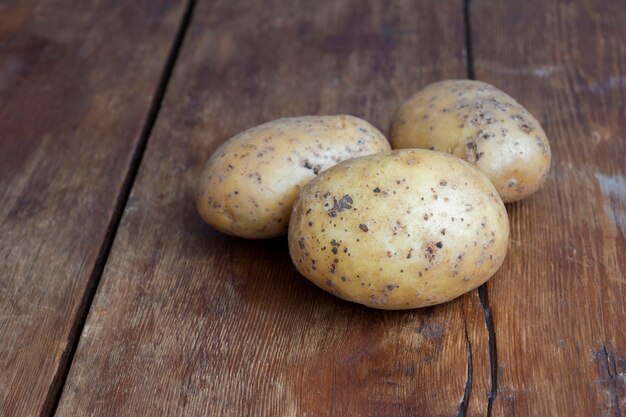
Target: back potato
<point>481,124</point>
<point>397,230</point>
<point>249,184</point>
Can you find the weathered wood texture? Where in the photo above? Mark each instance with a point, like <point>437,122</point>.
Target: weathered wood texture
<point>76,84</point>
<point>559,304</point>
<point>188,321</point>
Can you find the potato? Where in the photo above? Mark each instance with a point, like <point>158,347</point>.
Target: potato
<point>481,124</point>
<point>397,230</point>
<point>248,186</point>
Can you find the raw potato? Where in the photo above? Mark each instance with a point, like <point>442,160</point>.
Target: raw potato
<point>248,186</point>
<point>397,230</point>
<point>481,124</point>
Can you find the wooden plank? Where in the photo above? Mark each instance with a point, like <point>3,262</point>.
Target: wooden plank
<point>188,321</point>
<point>77,79</point>
<point>559,305</point>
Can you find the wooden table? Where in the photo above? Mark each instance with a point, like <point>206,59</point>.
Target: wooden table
<point>116,300</point>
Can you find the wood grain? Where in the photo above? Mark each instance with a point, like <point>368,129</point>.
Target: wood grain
<point>559,304</point>
<point>76,85</point>
<point>188,321</point>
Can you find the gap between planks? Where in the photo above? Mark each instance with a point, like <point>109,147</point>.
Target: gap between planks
<point>58,382</point>
<point>482,290</point>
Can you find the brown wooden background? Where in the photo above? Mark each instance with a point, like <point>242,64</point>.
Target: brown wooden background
<point>116,300</point>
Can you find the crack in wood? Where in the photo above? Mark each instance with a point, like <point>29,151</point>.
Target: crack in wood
<point>611,370</point>
<point>493,353</point>
<point>468,382</point>
<point>469,59</point>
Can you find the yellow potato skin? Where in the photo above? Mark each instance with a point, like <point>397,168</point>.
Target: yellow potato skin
<point>399,230</point>
<point>481,124</point>
<point>248,186</point>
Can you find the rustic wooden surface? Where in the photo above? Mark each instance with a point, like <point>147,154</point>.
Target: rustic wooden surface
<point>187,321</point>
<point>76,85</point>
<point>559,304</point>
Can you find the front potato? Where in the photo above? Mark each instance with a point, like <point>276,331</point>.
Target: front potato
<point>481,124</point>
<point>248,186</point>
<point>397,230</point>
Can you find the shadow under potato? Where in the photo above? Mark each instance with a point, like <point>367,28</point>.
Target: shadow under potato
<point>265,322</point>
<point>260,273</point>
